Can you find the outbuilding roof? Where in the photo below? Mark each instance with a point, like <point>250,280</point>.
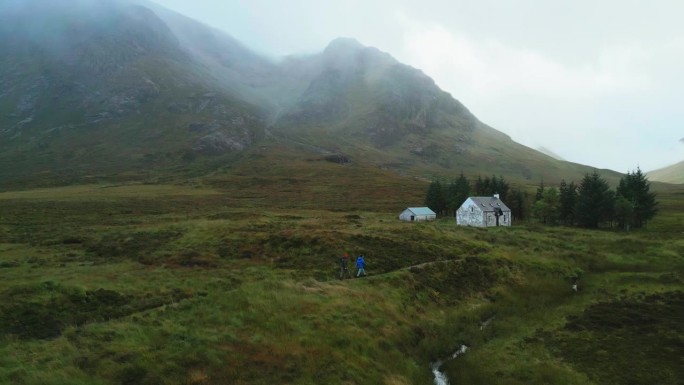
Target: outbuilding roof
<point>490,203</point>
<point>421,211</point>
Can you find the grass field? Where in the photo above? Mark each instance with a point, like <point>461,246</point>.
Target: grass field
<point>234,281</point>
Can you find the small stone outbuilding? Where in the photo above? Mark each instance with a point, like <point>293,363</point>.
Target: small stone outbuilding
<point>484,212</point>
<point>415,214</point>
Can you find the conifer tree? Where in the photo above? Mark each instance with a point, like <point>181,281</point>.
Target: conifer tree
<point>486,187</point>
<point>502,188</point>
<point>624,212</point>
<point>540,192</point>
<point>568,201</point>
<point>517,201</point>
<point>635,188</point>
<point>462,190</point>
<point>479,186</point>
<point>450,197</point>
<point>595,201</point>
<point>457,192</point>
<point>490,186</point>
<point>435,199</point>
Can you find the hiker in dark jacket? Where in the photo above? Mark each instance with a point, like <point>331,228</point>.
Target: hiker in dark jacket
<point>360,266</point>
<point>344,270</point>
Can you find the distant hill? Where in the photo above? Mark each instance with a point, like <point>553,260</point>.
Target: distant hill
<point>128,89</point>
<point>669,174</point>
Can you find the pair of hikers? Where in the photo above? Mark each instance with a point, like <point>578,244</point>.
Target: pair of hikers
<point>360,266</point>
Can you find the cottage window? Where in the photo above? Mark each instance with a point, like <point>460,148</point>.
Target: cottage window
<point>472,209</point>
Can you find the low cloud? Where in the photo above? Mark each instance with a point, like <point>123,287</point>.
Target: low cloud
<point>597,110</point>
<point>491,69</point>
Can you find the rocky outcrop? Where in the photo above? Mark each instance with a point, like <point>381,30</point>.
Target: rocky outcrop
<point>118,103</point>
<point>235,132</point>
<point>223,141</point>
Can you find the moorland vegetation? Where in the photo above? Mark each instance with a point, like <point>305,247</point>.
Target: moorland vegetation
<point>220,281</point>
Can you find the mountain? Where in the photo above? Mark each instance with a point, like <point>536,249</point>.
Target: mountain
<point>364,103</point>
<point>120,89</point>
<point>359,90</point>
<point>108,87</point>
<point>669,174</point>
<point>550,153</point>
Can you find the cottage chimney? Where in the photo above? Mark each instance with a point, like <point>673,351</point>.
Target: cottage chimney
<point>496,196</point>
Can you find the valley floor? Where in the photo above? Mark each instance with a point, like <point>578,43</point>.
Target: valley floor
<point>155,284</point>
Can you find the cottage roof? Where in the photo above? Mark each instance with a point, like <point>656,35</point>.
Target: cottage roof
<point>421,211</point>
<point>489,203</point>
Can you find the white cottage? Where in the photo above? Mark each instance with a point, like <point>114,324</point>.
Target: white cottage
<point>412,214</point>
<point>484,212</point>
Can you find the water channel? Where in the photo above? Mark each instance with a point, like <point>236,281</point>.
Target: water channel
<point>440,377</point>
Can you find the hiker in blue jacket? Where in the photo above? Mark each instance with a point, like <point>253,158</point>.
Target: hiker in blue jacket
<point>360,266</point>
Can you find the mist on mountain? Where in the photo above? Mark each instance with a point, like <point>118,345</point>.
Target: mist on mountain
<point>94,87</point>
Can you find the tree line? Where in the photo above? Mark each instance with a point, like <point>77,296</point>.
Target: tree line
<point>589,204</point>
<point>444,198</point>
<point>592,203</point>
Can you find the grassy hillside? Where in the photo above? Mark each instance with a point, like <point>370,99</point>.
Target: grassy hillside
<point>233,280</point>
<point>670,174</point>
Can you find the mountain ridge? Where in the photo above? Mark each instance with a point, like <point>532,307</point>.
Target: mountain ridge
<point>136,89</point>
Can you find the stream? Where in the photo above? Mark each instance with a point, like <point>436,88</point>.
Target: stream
<point>440,377</point>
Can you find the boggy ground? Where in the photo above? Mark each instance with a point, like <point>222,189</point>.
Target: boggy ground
<point>203,284</point>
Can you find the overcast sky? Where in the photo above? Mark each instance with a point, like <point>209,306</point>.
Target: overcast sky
<point>597,82</point>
